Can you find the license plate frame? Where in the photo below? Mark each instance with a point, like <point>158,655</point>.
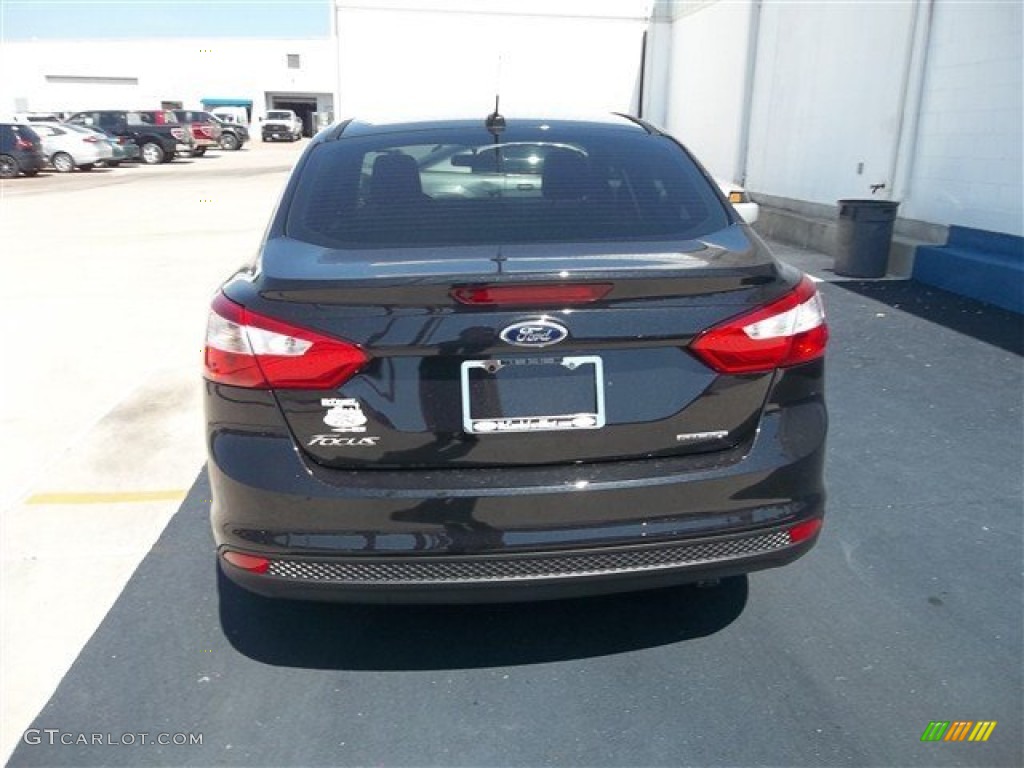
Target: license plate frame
<point>588,419</point>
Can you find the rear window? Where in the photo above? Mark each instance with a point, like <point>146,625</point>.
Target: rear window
<point>279,116</point>
<point>189,116</point>
<point>25,133</point>
<point>151,118</point>
<point>531,184</point>
<point>14,131</point>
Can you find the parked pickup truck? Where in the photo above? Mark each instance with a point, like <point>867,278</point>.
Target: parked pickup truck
<point>205,131</point>
<point>156,132</point>
<point>232,135</point>
<point>281,124</point>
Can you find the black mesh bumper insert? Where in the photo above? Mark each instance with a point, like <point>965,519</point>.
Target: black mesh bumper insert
<point>483,569</point>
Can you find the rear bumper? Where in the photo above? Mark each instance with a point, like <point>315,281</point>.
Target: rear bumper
<point>127,152</point>
<point>508,578</point>
<point>93,155</point>
<point>30,161</point>
<point>278,132</point>
<point>511,534</point>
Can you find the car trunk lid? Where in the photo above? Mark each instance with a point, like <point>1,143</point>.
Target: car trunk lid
<point>451,382</point>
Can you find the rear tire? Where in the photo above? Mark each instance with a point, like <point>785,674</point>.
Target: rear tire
<point>152,153</point>
<point>229,142</point>
<point>8,167</point>
<point>86,167</point>
<point>198,152</point>
<point>62,162</point>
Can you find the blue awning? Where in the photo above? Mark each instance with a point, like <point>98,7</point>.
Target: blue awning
<point>247,103</point>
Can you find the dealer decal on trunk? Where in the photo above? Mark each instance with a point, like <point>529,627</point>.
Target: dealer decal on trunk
<point>344,415</point>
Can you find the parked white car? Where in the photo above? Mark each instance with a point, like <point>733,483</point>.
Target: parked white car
<point>68,147</point>
<point>737,195</point>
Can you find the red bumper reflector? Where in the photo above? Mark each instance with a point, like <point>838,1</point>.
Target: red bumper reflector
<point>248,562</point>
<point>805,530</point>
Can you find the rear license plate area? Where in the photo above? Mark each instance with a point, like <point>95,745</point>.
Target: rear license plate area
<point>533,394</point>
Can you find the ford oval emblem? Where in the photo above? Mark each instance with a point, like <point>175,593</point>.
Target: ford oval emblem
<point>535,333</point>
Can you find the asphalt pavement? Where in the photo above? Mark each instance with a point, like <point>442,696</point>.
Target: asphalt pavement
<point>908,611</point>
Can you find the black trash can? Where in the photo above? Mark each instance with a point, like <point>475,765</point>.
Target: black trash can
<point>864,236</point>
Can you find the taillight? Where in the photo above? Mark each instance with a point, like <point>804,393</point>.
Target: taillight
<point>178,133</point>
<point>21,143</point>
<point>787,332</point>
<point>246,349</point>
<point>532,295</point>
<point>91,139</point>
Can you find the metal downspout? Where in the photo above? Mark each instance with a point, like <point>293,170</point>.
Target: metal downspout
<point>902,165</point>
<point>743,149</point>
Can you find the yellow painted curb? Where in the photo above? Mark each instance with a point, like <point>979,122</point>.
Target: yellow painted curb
<point>110,497</point>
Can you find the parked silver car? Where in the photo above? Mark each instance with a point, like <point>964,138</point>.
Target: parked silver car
<point>124,147</point>
<point>68,147</point>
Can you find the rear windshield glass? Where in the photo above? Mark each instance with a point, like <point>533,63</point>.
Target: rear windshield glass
<point>151,118</point>
<point>279,116</point>
<point>188,116</point>
<point>527,185</point>
<point>24,132</point>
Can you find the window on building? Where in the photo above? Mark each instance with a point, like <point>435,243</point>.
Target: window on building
<point>293,61</point>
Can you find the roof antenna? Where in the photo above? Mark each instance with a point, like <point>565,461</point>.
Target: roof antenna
<point>495,123</point>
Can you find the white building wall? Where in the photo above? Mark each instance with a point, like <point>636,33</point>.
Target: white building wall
<point>967,168</point>
<point>828,98</point>
<point>923,97</point>
<point>556,57</point>
<point>183,70</point>
<point>706,90</point>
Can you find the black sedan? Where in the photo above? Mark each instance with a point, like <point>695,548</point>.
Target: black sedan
<point>510,359</point>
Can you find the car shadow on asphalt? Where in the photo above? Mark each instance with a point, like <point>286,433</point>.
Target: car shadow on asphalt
<point>180,573</point>
<point>95,171</point>
<point>391,637</point>
<point>984,322</point>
